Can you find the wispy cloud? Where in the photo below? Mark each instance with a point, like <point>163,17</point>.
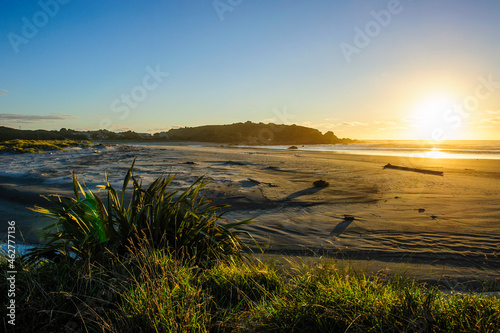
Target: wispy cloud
<point>409,120</point>
<point>493,121</point>
<point>319,126</point>
<point>163,129</point>
<point>353,123</point>
<point>392,128</point>
<point>386,123</point>
<point>493,112</point>
<point>3,92</point>
<point>329,126</point>
<point>30,118</point>
<point>119,129</point>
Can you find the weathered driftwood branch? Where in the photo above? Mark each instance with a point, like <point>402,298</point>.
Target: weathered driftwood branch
<point>430,172</point>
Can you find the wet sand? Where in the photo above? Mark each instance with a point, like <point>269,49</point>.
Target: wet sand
<point>426,225</point>
<point>431,227</point>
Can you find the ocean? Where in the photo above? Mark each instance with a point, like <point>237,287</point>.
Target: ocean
<point>472,149</point>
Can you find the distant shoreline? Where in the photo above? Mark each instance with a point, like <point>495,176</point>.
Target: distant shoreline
<point>237,133</point>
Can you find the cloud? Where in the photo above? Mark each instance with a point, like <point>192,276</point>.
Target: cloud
<point>84,129</point>
<point>353,123</point>
<point>119,129</point>
<point>392,128</point>
<point>163,129</point>
<point>329,126</point>
<point>386,125</point>
<point>324,125</point>
<point>384,122</point>
<point>28,118</point>
<point>493,112</point>
<point>492,121</point>
<point>3,92</point>
<point>409,120</point>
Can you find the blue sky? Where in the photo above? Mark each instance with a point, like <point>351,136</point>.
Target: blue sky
<point>428,70</point>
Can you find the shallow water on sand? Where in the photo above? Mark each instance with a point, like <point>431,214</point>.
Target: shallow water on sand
<point>398,215</point>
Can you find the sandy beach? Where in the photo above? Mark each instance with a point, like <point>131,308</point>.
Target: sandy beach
<point>431,227</point>
<point>436,225</point>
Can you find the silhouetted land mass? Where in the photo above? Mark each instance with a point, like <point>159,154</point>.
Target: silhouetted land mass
<point>254,134</point>
<point>7,133</point>
<point>240,133</point>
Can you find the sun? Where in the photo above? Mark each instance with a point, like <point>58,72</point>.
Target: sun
<point>431,120</point>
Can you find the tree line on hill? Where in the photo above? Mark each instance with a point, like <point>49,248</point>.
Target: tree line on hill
<point>240,133</point>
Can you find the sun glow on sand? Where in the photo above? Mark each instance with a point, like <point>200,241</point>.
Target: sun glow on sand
<point>431,119</point>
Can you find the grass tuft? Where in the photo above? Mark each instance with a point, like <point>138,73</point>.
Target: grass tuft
<point>150,290</point>
<point>182,222</point>
<point>37,146</point>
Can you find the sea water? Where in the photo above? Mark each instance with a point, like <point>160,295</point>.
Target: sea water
<point>477,149</point>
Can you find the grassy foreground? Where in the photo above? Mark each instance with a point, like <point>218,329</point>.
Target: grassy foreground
<point>149,291</point>
<point>165,261</point>
<point>37,146</point>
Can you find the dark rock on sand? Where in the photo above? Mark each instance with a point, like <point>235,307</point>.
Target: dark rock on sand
<point>321,183</point>
<point>234,163</point>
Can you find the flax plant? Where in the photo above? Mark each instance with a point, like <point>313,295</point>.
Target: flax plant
<point>183,222</point>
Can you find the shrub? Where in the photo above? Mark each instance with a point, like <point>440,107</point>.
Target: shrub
<point>184,223</point>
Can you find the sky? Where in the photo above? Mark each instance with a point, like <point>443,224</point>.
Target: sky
<point>392,69</point>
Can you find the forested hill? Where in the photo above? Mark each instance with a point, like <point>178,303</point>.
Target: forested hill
<point>240,133</point>
<point>252,134</point>
<point>7,133</point>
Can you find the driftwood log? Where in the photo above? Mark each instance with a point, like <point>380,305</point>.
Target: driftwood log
<point>430,172</point>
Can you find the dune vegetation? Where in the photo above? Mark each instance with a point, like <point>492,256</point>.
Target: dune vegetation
<point>37,146</point>
<point>150,259</point>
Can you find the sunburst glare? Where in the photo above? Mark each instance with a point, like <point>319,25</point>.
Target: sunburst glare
<point>432,119</point>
